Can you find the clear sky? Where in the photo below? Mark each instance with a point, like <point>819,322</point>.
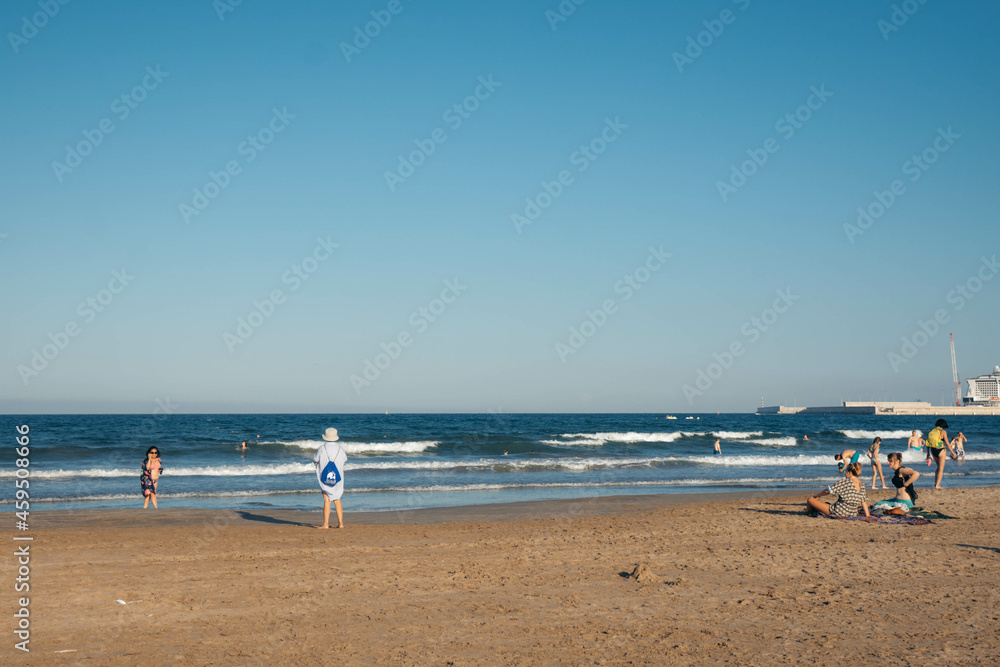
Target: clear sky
<point>310,115</point>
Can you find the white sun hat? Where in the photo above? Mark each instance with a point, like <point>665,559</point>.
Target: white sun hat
<point>330,435</point>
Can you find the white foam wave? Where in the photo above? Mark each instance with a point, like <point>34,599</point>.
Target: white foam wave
<point>509,464</point>
<point>442,488</point>
<point>583,441</point>
<point>589,463</point>
<point>161,496</point>
<point>631,436</point>
<point>503,464</point>
<point>447,488</point>
<point>763,460</point>
<point>871,435</point>
<point>210,471</point>
<point>976,456</point>
<point>780,442</point>
<point>737,435</point>
<point>359,448</point>
<point>91,472</point>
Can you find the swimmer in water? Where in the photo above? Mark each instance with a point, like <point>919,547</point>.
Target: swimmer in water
<point>718,449</point>
<point>915,441</point>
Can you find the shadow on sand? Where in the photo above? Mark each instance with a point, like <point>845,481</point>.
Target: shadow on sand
<point>798,512</point>
<point>270,519</point>
<point>974,546</point>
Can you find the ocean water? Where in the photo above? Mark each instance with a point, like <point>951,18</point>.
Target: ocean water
<point>409,461</point>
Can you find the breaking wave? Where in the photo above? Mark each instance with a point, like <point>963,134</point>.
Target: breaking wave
<point>871,435</point>
<point>356,448</point>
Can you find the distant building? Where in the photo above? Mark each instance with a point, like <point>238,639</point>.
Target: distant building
<point>983,390</point>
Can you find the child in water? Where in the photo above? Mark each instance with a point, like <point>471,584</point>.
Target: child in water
<point>957,444</point>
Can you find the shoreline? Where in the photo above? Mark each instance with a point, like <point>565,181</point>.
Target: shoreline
<point>492,511</point>
<point>489,512</point>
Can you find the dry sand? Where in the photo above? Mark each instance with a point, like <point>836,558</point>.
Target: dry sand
<point>741,580</point>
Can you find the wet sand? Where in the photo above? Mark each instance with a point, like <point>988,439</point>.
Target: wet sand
<point>738,578</point>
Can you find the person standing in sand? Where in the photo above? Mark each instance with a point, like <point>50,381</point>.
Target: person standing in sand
<point>150,475</point>
<point>718,448</point>
<point>329,460</point>
<point>915,441</point>
<point>935,450</point>
<point>876,463</point>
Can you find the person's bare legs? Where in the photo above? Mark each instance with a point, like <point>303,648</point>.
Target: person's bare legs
<point>326,512</point>
<point>878,466</point>
<point>939,473</point>
<point>145,503</point>
<point>816,505</point>
<point>340,512</point>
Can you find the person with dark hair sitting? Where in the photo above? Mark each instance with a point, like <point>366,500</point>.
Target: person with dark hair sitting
<point>850,493</point>
<point>903,480</point>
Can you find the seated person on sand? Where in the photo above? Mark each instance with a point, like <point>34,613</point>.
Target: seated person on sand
<point>850,493</point>
<point>915,441</point>
<point>903,480</point>
<point>845,457</point>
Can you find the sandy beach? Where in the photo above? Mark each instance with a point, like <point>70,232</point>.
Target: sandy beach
<point>734,578</point>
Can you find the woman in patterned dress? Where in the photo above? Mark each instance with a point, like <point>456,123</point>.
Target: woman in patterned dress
<point>850,493</point>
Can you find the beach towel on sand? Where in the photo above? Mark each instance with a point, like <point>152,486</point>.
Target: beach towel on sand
<point>928,514</point>
<point>330,459</point>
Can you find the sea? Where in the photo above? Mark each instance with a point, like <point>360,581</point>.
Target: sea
<point>403,461</point>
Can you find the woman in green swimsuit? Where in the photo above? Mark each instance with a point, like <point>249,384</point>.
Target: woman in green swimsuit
<point>935,449</point>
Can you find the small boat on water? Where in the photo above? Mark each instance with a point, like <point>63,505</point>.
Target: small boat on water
<point>671,417</point>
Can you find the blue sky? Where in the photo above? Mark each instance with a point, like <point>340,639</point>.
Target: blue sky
<point>501,343</point>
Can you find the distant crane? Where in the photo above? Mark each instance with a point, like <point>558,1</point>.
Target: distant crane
<point>954,373</point>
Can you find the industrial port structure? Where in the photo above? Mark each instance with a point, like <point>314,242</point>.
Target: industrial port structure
<point>982,397</point>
